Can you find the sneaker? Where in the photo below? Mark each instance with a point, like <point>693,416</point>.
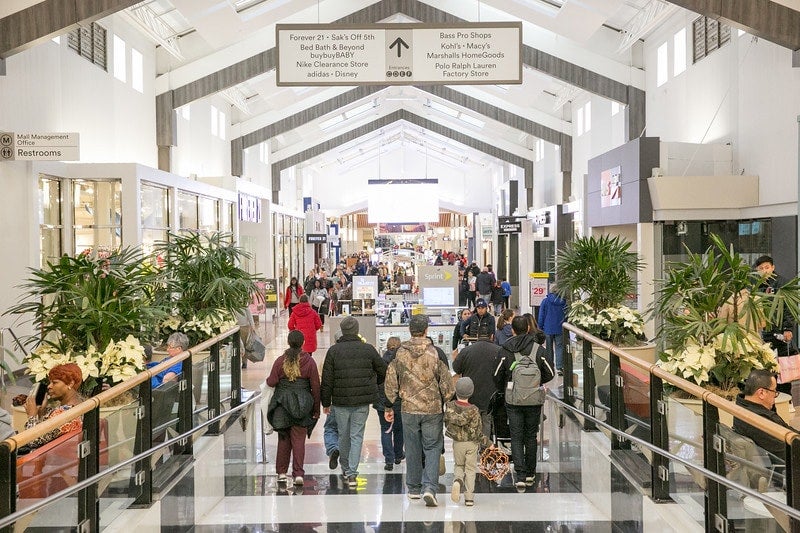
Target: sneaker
<point>282,478</point>
<point>388,467</point>
<point>413,496</point>
<point>430,499</point>
<point>529,481</point>
<point>298,480</point>
<point>469,503</point>
<point>520,485</point>
<point>455,492</point>
<point>352,482</point>
<point>333,460</point>
<point>442,468</point>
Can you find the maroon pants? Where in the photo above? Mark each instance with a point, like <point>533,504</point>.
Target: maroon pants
<point>291,442</point>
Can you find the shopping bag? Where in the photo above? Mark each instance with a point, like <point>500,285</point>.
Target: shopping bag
<point>790,368</point>
<point>254,349</point>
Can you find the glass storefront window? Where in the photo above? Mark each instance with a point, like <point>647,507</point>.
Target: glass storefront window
<point>187,211</point>
<point>50,226</point>
<point>208,214</point>
<point>97,212</point>
<point>226,217</point>
<point>154,215</point>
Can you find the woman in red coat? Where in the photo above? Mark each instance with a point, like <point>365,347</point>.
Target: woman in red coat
<point>293,293</point>
<point>306,320</point>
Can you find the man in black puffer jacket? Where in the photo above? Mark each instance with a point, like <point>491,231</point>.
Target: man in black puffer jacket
<point>350,375</point>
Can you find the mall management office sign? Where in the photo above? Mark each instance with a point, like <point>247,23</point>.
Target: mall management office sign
<point>39,146</point>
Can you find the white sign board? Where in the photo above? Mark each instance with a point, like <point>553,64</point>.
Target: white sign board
<point>39,146</point>
<point>399,54</point>
<point>538,283</point>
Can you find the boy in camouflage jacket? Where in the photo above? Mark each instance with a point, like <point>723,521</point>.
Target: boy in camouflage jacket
<point>462,421</point>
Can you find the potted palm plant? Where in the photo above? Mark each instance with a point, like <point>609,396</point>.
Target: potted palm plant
<point>94,310</point>
<point>711,310</point>
<point>203,284</point>
<point>595,274</point>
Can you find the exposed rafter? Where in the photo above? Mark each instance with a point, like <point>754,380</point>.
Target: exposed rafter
<point>155,28</point>
<point>645,21</point>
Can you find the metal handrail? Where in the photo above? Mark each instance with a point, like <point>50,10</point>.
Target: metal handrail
<point>90,447</point>
<point>771,428</point>
<point>713,444</point>
<point>791,511</point>
<point>24,437</point>
<point>12,518</point>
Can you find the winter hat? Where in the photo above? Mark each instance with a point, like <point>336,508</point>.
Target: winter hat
<point>464,388</point>
<point>349,326</point>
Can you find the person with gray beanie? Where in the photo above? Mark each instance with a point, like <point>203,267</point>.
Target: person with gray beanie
<point>463,423</point>
<point>351,373</point>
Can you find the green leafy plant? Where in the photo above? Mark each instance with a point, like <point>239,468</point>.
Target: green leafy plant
<point>596,276</point>
<point>202,283</point>
<point>710,311</point>
<point>83,306</point>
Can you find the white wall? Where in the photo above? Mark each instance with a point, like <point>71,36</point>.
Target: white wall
<point>746,93</point>
<point>198,151</point>
<point>471,188</point>
<point>50,88</point>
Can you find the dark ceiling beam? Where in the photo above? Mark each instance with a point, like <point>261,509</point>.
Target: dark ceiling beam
<point>765,19</point>
<point>45,20</point>
<point>553,66</point>
<point>495,113</point>
<point>384,121</point>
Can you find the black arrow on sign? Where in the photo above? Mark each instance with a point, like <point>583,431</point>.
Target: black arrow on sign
<point>399,43</point>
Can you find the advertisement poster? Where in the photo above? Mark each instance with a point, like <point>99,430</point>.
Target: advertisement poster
<point>538,284</point>
<point>610,187</point>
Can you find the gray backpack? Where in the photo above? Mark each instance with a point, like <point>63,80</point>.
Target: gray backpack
<point>526,380</point>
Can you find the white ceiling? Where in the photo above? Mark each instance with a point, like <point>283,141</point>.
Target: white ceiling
<point>199,37</point>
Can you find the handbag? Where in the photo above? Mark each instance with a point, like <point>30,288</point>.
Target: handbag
<point>790,368</point>
<point>254,348</point>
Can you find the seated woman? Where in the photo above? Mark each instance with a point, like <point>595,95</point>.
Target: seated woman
<point>176,343</point>
<point>65,380</point>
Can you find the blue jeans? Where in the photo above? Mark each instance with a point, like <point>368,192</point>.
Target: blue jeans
<point>423,435</point>
<point>391,440</point>
<point>331,433</point>
<point>350,422</point>
<point>523,424</point>
<point>555,347</point>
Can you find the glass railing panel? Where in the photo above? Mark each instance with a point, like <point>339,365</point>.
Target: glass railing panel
<point>43,470</point>
<point>200,387</point>
<point>754,468</point>
<point>118,424</point>
<point>685,427</point>
<point>225,371</point>
<point>60,515</point>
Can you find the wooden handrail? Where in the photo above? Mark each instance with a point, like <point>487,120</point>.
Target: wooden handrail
<point>767,426</point>
<point>21,439</point>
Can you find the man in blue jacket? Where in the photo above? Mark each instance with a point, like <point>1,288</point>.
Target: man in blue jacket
<point>552,313</point>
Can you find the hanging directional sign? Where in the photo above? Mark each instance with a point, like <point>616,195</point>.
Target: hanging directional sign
<point>399,54</point>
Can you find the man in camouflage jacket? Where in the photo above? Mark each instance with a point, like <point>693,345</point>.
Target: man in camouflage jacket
<point>423,382</point>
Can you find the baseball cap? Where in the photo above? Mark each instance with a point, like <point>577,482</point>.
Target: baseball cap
<point>480,302</point>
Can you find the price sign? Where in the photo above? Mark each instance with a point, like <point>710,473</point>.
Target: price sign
<point>538,283</point>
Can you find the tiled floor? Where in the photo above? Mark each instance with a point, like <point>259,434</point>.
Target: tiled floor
<point>255,502</point>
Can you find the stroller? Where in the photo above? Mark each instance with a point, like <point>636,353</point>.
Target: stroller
<point>501,435</point>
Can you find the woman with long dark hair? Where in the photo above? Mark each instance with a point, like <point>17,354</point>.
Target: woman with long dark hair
<point>293,293</point>
<point>294,408</point>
